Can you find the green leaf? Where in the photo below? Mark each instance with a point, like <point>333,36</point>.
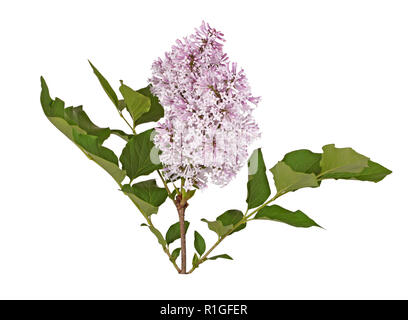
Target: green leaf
<point>226,222</point>
<point>75,124</point>
<point>218,227</point>
<point>258,185</point>
<point>71,117</point>
<point>187,195</point>
<point>135,157</point>
<point>146,195</point>
<point>304,161</point>
<point>174,231</point>
<point>195,260</point>
<point>122,134</point>
<point>288,180</point>
<point>341,160</point>
<point>199,243</point>
<point>105,157</point>
<point>106,86</point>
<point>175,254</point>
<point>309,162</point>
<point>374,173</point>
<point>232,217</point>
<point>136,103</point>
<point>277,213</point>
<point>223,256</point>
<point>156,111</point>
<point>158,235</point>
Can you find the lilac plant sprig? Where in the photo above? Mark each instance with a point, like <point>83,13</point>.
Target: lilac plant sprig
<point>201,105</point>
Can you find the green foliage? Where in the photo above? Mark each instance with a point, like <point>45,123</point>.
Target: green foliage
<point>199,243</point>
<point>286,179</point>
<point>337,163</point>
<point>174,231</point>
<point>75,124</point>
<point>226,222</point>
<point>277,213</point>
<point>158,235</point>
<point>156,111</point>
<point>341,160</point>
<point>304,161</point>
<point>223,256</point>
<point>106,87</point>
<point>105,157</point>
<point>136,103</point>
<point>298,169</point>
<point>374,173</point>
<point>146,195</point>
<point>135,157</point>
<point>195,260</point>
<point>175,254</point>
<point>258,185</point>
<point>122,134</point>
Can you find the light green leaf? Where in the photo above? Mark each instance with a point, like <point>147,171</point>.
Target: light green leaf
<point>232,217</point>
<point>106,86</point>
<point>258,185</point>
<point>199,243</point>
<point>195,260</point>
<point>156,111</point>
<point>136,103</point>
<point>288,180</point>
<point>218,227</point>
<point>374,173</point>
<point>158,235</point>
<point>223,256</point>
<point>226,222</point>
<point>105,157</point>
<point>174,231</point>
<point>304,161</point>
<point>175,254</point>
<point>122,134</point>
<point>135,157</point>
<point>75,124</point>
<point>146,195</point>
<point>277,213</point>
<point>341,160</point>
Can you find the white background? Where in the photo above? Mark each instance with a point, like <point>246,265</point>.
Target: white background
<point>327,71</point>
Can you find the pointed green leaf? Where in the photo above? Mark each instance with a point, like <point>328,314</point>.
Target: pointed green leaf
<point>174,231</point>
<point>76,125</point>
<point>199,243</point>
<point>136,156</point>
<point>374,173</point>
<point>226,222</point>
<point>156,111</point>
<point>277,213</point>
<point>122,134</point>
<point>258,185</point>
<point>304,161</point>
<point>71,117</point>
<point>288,180</point>
<point>223,256</point>
<point>218,227</point>
<point>146,195</point>
<point>232,217</point>
<point>195,260</point>
<point>136,103</point>
<point>158,235</point>
<point>341,160</point>
<point>106,86</point>
<point>175,254</point>
<point>105,157</point>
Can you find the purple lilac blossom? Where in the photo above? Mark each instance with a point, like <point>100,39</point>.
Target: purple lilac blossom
<point>208,125</point>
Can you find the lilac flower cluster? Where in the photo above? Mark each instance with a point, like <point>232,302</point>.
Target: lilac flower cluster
<point>208,103</point>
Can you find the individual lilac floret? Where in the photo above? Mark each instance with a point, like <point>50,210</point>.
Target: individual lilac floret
<point>207,125</point>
